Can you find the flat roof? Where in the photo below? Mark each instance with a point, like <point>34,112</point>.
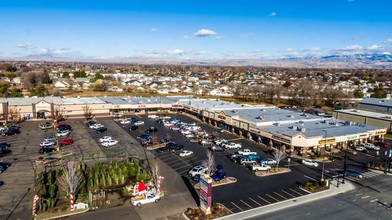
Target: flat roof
<point>31,100</point>
<point>333,128</point>
<point>377,101</point>
<point>214,104</point>
<point>270,114</point>
<point>142,100</point>
<point>386,117</point>
<point>82,100</point>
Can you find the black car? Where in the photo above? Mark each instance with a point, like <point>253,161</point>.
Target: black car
<point>176,147</point>
<point>45,150</point>
<point>4,152</point>
<point>134,128</point>
<point>9,132</point>
<point>163,149</point>
<point>164,140</point>
<point>101,129</point>
<point>4,145</point>
<point>64,127</point>
<point>151,130</point>
<point>144,136</point>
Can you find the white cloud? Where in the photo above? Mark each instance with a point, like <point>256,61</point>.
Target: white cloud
<point>272,14</point>
<point>205,32</point>
<point>388,41</point>
<point>175,52</point>
<point>54,51</point>
<point>375,47</point>
<point>26,45</point>
<point>153,30</point>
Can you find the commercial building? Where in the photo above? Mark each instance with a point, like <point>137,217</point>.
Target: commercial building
<point>380,120</point>
<point>376,105</point>
<point>270,125</point>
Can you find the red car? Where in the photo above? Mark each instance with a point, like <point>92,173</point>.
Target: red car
<point>381,144</point>
<point>60,123</point>
<point>67,141</point>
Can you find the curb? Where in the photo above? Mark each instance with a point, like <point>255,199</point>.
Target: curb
<point>259,211</point>
<point>65,215</point>
<point>271,174</point>
<point>220,184</point>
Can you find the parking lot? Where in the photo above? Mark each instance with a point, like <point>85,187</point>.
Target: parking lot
<point>250,191</point>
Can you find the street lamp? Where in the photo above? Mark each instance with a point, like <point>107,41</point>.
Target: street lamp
<point>325,145</point>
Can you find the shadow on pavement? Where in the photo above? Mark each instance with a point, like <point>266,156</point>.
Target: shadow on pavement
<point>192,190</point>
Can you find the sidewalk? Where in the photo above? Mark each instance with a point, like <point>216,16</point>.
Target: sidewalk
<point>292,202</point>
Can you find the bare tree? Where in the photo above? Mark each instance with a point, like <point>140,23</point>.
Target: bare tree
<point>87,112</point>
<point>209,162</point>
<point>279,154</point>
<point>15,114</point>
<point>71,180</point>
<point>58,113</point>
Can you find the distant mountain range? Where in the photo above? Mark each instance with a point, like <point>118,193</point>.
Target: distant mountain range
<point>360,60</point>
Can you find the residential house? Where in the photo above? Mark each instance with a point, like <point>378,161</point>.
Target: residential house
<point>61,85</point>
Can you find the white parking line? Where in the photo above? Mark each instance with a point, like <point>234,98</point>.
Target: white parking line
<point>310,178</point>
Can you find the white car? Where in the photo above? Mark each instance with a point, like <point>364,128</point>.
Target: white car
<point>199,169</point>
<point>186,153</point>
<point>186,132</point>
<point>153,116</point>
<point>125,121</point>
<point>147,198</point>
<point>361,149</point>
<point>46,144</point>
<point>139,123</point>
<point>96,125</point>
<point>2,129</point>
<point>109,143</point>
<point>370,146</point>
<point>310,163</point>
<point>233,145</point>
<point>105,139</point>
<point>50,138</point>
<point>246,152</point>
<point>189,135</point>
<point>45,126</point>
<point>262,167</point>
<point>63,133</point>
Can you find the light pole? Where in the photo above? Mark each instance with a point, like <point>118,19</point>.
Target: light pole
<point>325,145</point>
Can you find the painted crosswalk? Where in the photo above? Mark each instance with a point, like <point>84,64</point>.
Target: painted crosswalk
<point>366,175</point>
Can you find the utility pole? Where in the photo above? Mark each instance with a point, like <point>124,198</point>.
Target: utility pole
<point>345,164</point>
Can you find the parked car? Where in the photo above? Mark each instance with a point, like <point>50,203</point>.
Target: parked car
<point>105,139</point>
<point>199,169</point>
<point>216,148</point>
<point>9,132</point>
<point>235,157</point>
<point>246,152</point>
<point>370,146</point>
<point>4,145</point>
<point>134,128</point>
<point>233,145</point>
<point>147,198</point>
<point>176,147</point>
<point>163,149</point>
<point>164,140</point>
<point>261,167</point>
<point>45,150</point>
<point>64,127</point>
<point>219,175</point>
<point>4,151</point>
<point>246,161</point>
<point>50,138</point>
<point>45,126</point>
<point>381,144</point>
<point>205,142</point>
<point>144,136</point>
<point>138,123</point>
<point>354,173</point>
<point>101,129</point>
<point>362,149</point>
<point>63,133</point>
<point>67,141</point>
<point>109,143</point>
<point>46,144</point>
<point>153,116</point>
<point>310,163</point>
<point>186,153</point>
<point>125,121</point>
<point>151,130</point>
<point>268,161</point>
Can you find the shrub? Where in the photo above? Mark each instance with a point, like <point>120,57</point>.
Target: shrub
<point>306,184</point>
<point>324,183</point>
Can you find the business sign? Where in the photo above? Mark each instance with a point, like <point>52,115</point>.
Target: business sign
<point>327,141</point>
<point>176,106</point>
<point>352,138</point>
<point>221,117</point>
<point>205,194</point>
<point>381,132</point>
<point>141,106</point>
<point>195,110</point>
<point>284,140</point>
<point>42,106</point>
<point>363,135</point>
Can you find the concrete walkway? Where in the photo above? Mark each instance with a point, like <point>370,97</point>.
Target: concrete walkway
<point>334,190</point>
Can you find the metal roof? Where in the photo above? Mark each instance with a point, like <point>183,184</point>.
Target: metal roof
<point>377,101</point>
<point>386,117</point>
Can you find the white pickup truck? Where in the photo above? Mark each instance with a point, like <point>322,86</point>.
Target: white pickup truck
<point>233,145</point>
<point>246,152</point>
<point>145,198</point>
<point>262,167</point>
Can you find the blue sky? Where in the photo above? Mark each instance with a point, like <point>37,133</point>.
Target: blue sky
<point>194,29</point>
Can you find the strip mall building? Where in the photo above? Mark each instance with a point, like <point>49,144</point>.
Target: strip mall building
<point>265,124</point>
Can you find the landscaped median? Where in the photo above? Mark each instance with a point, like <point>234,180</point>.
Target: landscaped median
<point>273,171</point>
<point>154,147</point>
<point>217,210</point>
<point>224,181</point>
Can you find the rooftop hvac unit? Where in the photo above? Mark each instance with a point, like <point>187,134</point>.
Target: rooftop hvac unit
<point>277,124</point>
<point>302,129</point>
<point>294,127</point>
<point>259,117</point>
<point>291,116</point>
<point>301,122</point>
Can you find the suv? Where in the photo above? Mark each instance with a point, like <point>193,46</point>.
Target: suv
<point>163,149</point>
<point>246,161</point>
<point>176,147</point>
<point>151,130</point>
<point>370,146</point>
<point>101,129</point>
<point>199,169</point>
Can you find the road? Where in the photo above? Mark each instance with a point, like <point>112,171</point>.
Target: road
<point>371,200</point>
